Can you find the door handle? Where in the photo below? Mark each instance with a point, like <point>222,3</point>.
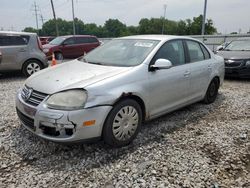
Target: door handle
<point>22,50</point>
<point>187,73</point>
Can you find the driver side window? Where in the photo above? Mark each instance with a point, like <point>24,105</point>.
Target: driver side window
<point>69,41</point>
<point>172,51</point>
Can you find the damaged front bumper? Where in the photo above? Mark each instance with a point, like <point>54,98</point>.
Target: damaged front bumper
<point>62,126</point>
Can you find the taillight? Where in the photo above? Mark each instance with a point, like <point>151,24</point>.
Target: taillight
<point>39,44</point>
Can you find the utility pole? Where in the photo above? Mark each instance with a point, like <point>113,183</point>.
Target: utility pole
<point>36,10</point>
<point>41,16</point>
<point>204,18</point>
<point>42,19</point>
<point>54,14</point>
<point>73,13</point>
<point>164,15</point>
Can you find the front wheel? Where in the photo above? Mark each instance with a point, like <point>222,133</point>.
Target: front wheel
<point>212,92</point>
<point>123,123</point>
<point>31,66</point>
<point>59,56</point>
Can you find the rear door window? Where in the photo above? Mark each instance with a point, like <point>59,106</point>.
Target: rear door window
<point>205,52</point>
<point>13,40</point>
<point>82,40</point>
<point>92,40</point>
<point>195,52</point>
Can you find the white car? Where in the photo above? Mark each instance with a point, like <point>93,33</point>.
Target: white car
<point>109,92</point>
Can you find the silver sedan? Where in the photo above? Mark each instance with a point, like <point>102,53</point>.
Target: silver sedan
<point>108,93</point>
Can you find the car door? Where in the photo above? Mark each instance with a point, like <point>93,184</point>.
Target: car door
<point>200,67</point>
<point>86,44</point>
<point>69,48</point>
<point>168,87</point>
<point>92,44</point>
<point>14,50</point>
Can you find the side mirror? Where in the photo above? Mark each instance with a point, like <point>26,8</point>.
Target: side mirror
<point>161,64</point>
<point>219,48</point>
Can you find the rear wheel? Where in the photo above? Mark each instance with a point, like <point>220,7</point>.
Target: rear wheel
<point>31,66</point>
<point>59,56</point>
<point>123,123</point>
<point>212,92</point>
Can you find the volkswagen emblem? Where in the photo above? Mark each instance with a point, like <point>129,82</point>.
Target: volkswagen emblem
<point>27,94</point>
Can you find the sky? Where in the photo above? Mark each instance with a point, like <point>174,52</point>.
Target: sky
<point>228,15</point>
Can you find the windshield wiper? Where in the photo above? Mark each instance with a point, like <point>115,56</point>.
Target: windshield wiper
<point>96,63</point>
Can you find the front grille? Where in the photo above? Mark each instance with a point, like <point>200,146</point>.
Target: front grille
<point>233,63</point>
<point>32,97</point>
<point>29,122</point>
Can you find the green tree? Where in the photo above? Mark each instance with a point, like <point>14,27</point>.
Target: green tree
<point>196,26</point>
<point>30,30</point>
<point>181,28</point>
<point>209,28</point>
<point>152,26</point>
<point>114,28</point>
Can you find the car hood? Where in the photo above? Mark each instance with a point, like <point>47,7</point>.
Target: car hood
<point>234,54</point>
<point>48,46</point>
<point>70,75</point>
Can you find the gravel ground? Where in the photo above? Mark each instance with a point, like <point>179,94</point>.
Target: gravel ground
<point>197,146</point>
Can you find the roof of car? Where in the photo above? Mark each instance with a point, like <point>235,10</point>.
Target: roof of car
<point>155,37</point>
<point>16,33</point>
<point>245,38</point>
<point>67,36</point>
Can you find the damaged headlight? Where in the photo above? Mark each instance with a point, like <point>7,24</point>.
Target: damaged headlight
<point>67,100</point>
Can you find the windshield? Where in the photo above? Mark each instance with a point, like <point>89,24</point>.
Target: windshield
<point>121,52</point>
<point>57,41</point>
<point>238,45</point>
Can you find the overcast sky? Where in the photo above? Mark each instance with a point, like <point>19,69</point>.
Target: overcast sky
<point>228,15</point>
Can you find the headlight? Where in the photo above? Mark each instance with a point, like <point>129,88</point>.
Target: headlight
<point>248,63</point>
<point>45,50</point>
<point>67,100</point>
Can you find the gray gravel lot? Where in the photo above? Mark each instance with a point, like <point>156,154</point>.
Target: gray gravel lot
<point>197,146</point>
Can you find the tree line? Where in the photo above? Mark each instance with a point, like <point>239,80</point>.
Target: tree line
<point>115,28</point>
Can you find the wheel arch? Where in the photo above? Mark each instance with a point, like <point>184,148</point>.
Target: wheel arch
<point>30,60</point>
<point>136,98</point>
<point>216,78</point>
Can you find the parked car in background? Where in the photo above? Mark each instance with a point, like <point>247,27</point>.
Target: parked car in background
<point>237,58</point>
<point>71,46</point>
<point>222,46</point>
<point>46,40</point>
<point>21,51</point>
<point>109,92</point>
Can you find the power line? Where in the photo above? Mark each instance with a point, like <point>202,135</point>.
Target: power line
<point>41,16</point>
<point>35,10</point>
<point>204,18</point>
<point>54,14</point>
<point>164,16</point>
<point>73,14</point>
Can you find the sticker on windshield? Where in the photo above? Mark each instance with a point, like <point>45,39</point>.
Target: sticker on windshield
<point>144,44</point>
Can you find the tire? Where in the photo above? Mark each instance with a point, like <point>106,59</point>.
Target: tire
<point>58,56</point>
<point>123,123</point>
<point>212,92</point>
<point>31,66</point>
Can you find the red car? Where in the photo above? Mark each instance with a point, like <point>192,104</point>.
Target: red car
<point>70,46</point>
<point>46,40</point>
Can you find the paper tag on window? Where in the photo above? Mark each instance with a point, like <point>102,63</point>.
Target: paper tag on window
<point>144,44</point>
